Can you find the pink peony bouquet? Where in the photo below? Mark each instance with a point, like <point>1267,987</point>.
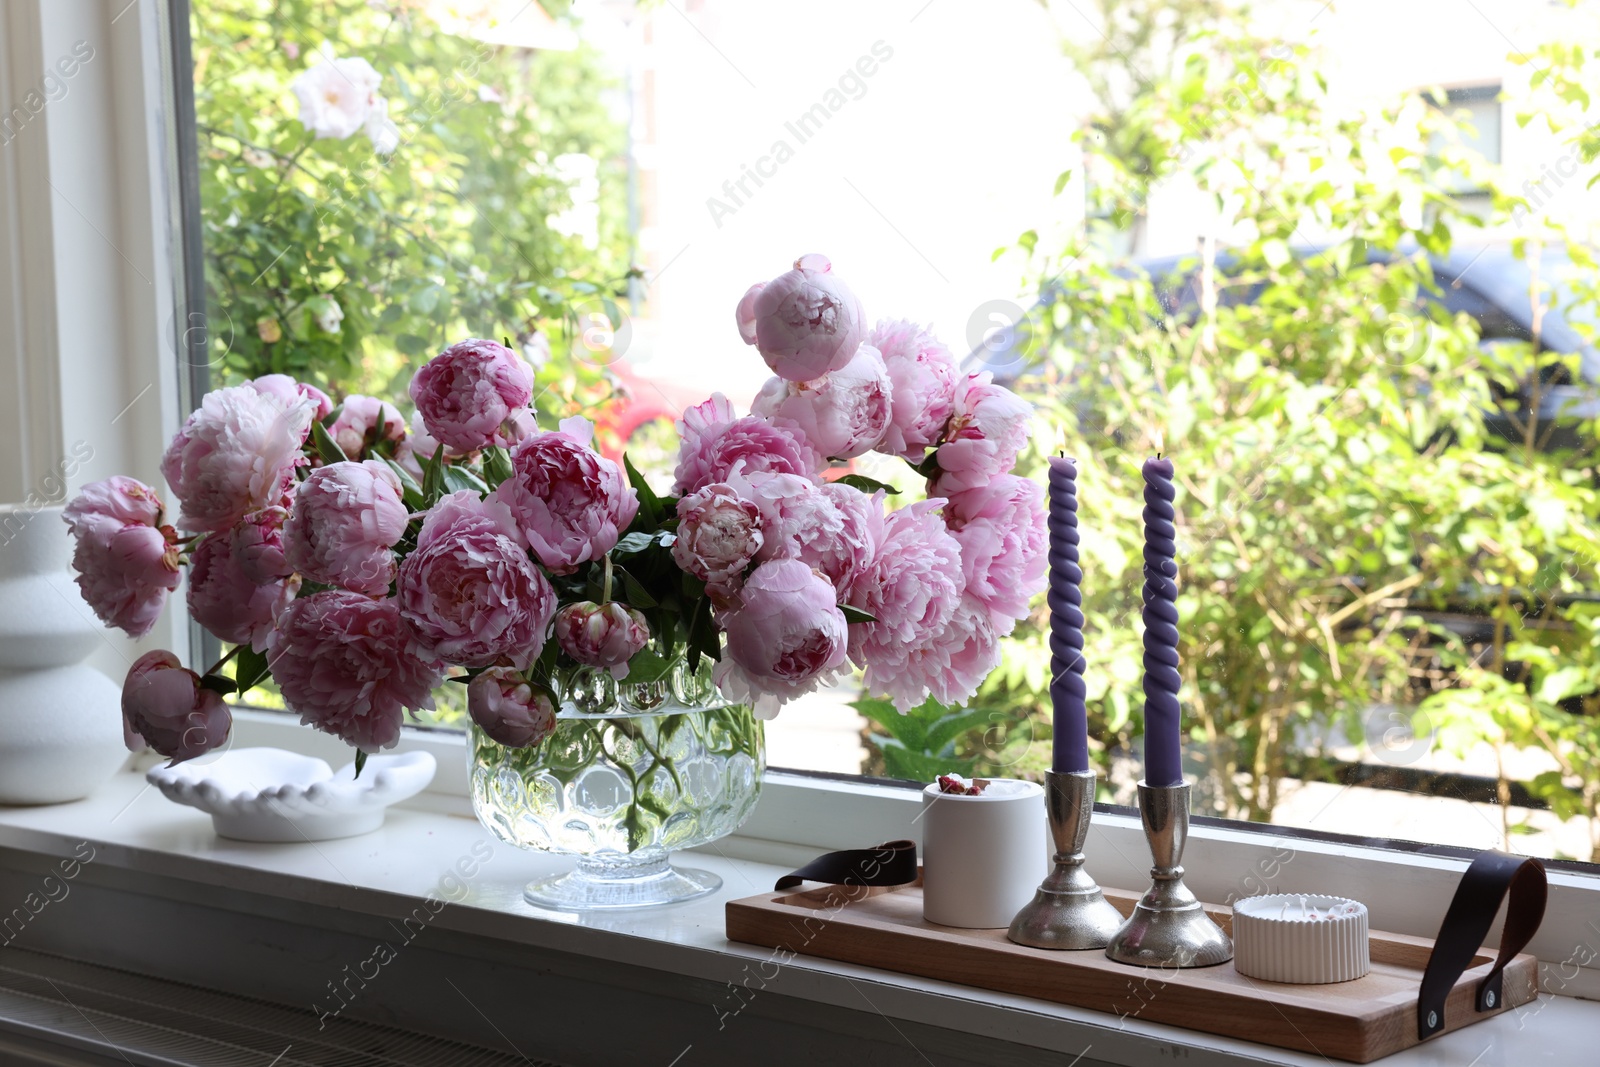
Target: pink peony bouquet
<point>361,559</point>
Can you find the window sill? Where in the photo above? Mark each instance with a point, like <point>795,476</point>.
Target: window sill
<point>144,844</point>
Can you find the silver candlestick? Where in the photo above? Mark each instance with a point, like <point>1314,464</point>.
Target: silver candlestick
<point>1168,927</point>
<point>1068,911</point>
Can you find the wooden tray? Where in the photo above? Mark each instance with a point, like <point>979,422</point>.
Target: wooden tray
<point>1359,1021</point>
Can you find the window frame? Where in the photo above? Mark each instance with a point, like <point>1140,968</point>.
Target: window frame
<point>137,175</point>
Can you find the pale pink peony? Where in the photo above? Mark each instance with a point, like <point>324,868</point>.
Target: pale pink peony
<point>126,559</point>
<point>804,323</point>
<point>787,637</point>
<point>345,665</point>
<point>714,443</point>
<point>258,545</point>
<point>345,521</point>
<point>911,589</point>
<point>227,601</point>
<point>849,551</point>
<point>797,518</point>
<point>844,413</point>
<point>1001,530</point>
<point>570,503</point>
<point>508,709</point>
<point>366,420</point>
<point>467,393</point>
<point>949,667</point>
<point>745,314</point>
<point>922,378</point>
<point>289,390</point>
<point>165,705</point>
<point>469,590</point>
<point>719,533</point>
<point>987,430</point>
<point>235,454</point>
<point>602,635</point>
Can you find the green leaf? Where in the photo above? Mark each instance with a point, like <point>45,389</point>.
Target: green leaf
<point>635,593</point>
<point>856,614</point>
<point>649,502</point>
<point>637,541</point>
<point>361,761</point>
<point>250,668</point>
<point>433,478</point>
<point>866,485</point>
<point>1061,182</point>
<point>457,479</point>
<point>496,466</point>
<point>647,666</point>
<point>327,447</point>
<point>218,684</point>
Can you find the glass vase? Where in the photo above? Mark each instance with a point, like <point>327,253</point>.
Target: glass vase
<point>631,773</point>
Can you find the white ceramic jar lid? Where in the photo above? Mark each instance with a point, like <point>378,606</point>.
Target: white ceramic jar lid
<point>1301,938</point>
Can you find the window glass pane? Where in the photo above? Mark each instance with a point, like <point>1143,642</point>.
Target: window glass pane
<point>1286,249</point>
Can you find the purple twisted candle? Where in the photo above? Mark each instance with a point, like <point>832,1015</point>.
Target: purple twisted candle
<point>1070,749</point>
<point>1163,761</point>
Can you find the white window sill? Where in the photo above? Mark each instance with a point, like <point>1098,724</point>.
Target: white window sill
<point>135,829</point>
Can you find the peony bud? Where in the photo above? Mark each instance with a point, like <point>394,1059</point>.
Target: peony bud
<point>508,709</point>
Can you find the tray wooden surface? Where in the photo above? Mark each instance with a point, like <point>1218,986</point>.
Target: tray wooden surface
<point>1358,1021</point>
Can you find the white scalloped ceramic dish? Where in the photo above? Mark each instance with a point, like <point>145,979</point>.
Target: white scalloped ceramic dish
<point>269,794</point>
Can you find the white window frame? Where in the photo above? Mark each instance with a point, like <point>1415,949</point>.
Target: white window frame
<point>88,261</point>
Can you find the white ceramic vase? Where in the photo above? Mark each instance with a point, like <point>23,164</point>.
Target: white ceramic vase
<point>60,719</point>
<point>982,856</point>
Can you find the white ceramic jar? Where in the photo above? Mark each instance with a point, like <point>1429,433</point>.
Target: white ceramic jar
<point>982,856</point>
<point>60,719</point>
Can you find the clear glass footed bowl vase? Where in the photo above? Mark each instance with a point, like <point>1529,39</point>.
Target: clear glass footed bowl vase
<point>631,773</point>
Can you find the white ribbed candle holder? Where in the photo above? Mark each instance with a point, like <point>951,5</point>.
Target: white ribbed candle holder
<point>1276,940</point>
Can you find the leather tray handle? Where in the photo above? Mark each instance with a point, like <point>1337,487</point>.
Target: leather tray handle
<point>1466,923</point>
<point>891,863</point>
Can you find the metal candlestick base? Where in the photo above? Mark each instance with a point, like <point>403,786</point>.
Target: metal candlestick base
<point>1068,911</point>
<point>1168,927</point>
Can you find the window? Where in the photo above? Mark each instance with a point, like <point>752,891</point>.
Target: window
<point>1388,628</point>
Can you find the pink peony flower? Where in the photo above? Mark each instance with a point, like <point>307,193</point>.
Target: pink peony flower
<point>719,533</point>
<point>844,413</point>
<point>911,589</point>
<point>842,557</point>
<point>127,561</point>
<point>602,635</point>
<point>469,590</point>
<point>467,392</point>
<point>786,638</point>
<point>951,666</point>
<point>922,380</point>
<point>345,520</point>
<point>289,390</point>
<point>570,503</point>
<point>508,709</point>
<point>258,544</point>
<point>745,314</point>
<point>1001,530</point>
<point>797,518</point>
<point>804,323</point>
<point>235,454</point>
<point>714,443</point>
<point>344,664</point>
<point>363,420</point>
<point>166,706</point>
<point>987,430</point>
<point>227,601</point>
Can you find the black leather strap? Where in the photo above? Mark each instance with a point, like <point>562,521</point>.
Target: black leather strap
<point>891,863</point>
<point>1467,923</point>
